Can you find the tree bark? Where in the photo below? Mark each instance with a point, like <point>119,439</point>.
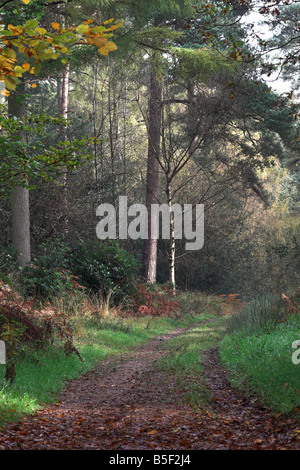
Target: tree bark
<point>64,113</point>
<point>20,195</point>
<point>154,130</point>
<point>172,238</point>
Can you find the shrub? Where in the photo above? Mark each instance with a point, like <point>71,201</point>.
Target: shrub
<point>48,273</point>
<point>105,268</point>
<point>40,281</point>
<point>153,300</point>
<point>11,332</point>
<point>102,267</point>
<point>23,325</point>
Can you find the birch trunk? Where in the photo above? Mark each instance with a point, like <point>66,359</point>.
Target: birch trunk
<point>172,238</point>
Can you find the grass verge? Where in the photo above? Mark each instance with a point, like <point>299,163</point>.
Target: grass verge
<point>183,361</point>
<point>258,355</point>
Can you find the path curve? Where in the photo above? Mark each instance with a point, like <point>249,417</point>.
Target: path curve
<point>126,404</point>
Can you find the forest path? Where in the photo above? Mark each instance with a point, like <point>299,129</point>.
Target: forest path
<point>127,404</point>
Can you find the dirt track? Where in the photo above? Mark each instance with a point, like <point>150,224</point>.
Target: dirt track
<point>127,404</point>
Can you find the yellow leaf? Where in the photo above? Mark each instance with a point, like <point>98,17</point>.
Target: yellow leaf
<point>19,70</point>
<point>33,85</point>
<point>15,29</point>
<point>9,52</point>
<point>26,66</point>
<point>26,1</point>
<point>109,21</point>
<point>55,25</point>
<point>83,28</point>
<point>100,42</point>
<point>40,31</point>
<point>103,51</point>
<point>113,27</point>
<point>5,92</point>
<point>110,46</point>
<point>10,83</point>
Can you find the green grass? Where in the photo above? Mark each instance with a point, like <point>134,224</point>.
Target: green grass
<point>184,361</point>
<point>261,363</point>
<point>260,315</point>
<point>41,374</point>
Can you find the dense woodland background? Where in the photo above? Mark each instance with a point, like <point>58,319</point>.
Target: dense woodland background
<point>184,94</point>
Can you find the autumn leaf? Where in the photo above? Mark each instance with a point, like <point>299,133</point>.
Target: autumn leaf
<point>41,31</point>
<point>16,30</point>
<point>26,1</point>
<point>19,70</point>
<point>5,92</point>
<point>83,28</point>
<point>100,42</point>
<point>110,46</point>
<point>37,43</point>
<point>10,83</point>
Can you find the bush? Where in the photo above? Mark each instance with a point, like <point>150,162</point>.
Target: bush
<point>24,326</point>
<point>48,273</point>
<point>105,268</point>
<point>153,300</point>
<point>40,281</point>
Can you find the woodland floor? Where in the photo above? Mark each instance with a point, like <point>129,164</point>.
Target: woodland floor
<point>126,404</point>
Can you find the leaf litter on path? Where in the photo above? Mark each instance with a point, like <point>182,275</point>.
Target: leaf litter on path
<point>126,404</point>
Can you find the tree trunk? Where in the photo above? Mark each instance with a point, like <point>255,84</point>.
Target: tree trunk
<point>20,195</point>
<point>95,89</point>
<point>154,129</point>
<point>172,238</point>
<point>64,113</point>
